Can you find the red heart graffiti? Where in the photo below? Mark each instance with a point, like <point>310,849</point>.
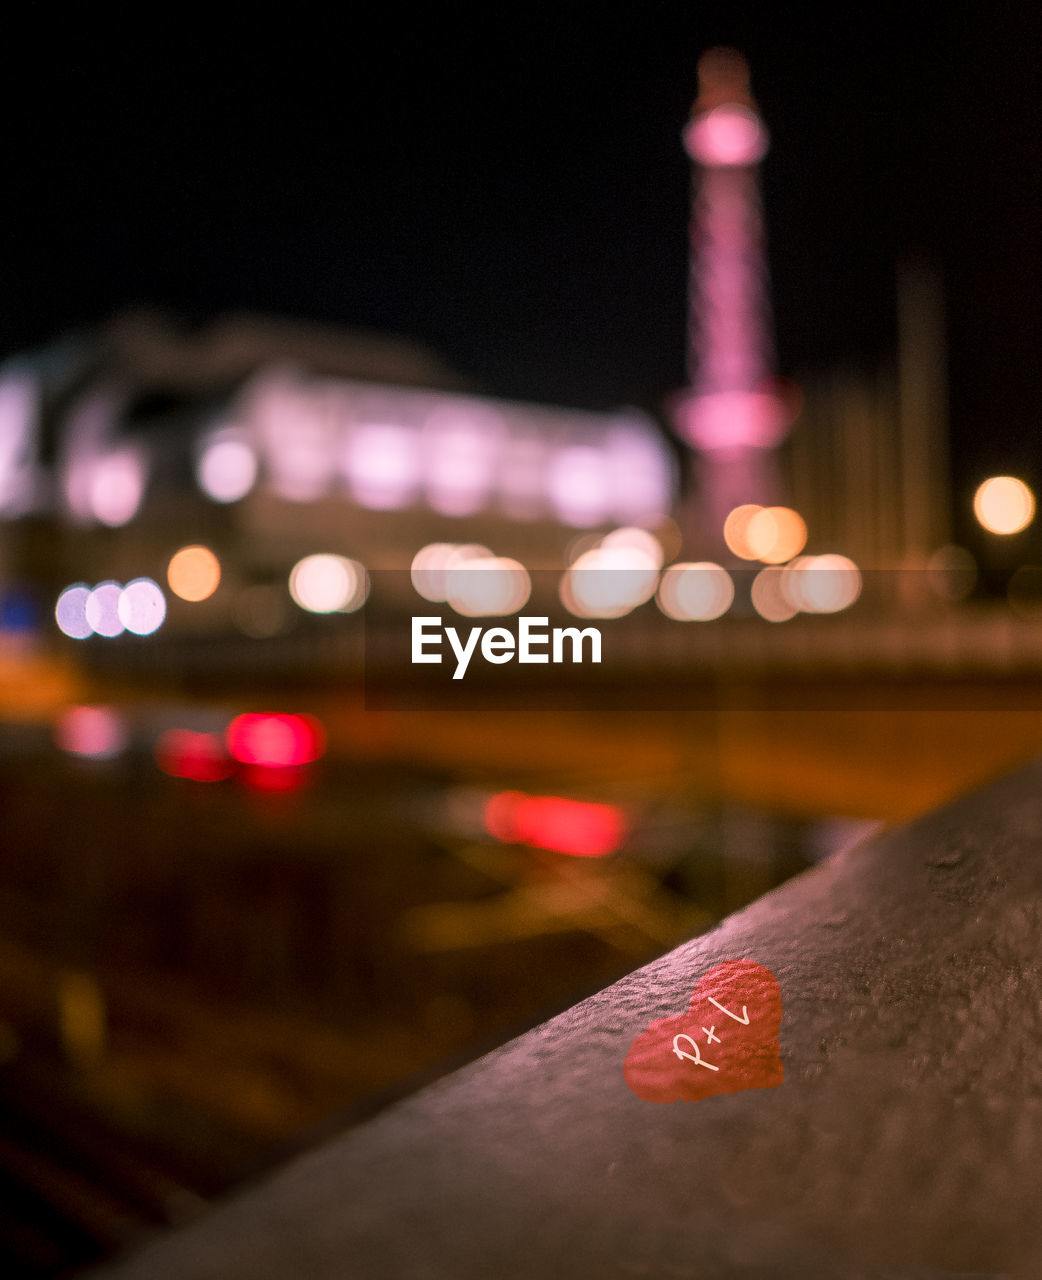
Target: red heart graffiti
<point>726,1041</point>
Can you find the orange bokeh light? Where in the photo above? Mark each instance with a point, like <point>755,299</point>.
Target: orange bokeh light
<point>736,530</point>
<point>775,534</point>
<point>1004,505</point>
<point>193,573</point>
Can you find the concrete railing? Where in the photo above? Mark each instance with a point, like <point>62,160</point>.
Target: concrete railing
<point>904,1140</point>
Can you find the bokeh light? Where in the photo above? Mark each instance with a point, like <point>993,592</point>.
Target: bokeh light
<point>381,463</point>
<point>226,468</point>
<point>96,733</point>
<point>116,486</point>
<point>769,598</point>
<point>460,446</point>
<point>1004,505</point>
<point>576,827</point>
<point>70,611</point>
<point>695,592</point>
<point>519,477</point>
<point>640,476</point>
<point>194,573</point>
<point>775,534</point>
<point>18,612</point>
<point>141,606</point>
<point>326,583</point>
<point>636,539</point>
<point>298,439</point>
<point>729,135</point>
<point>274,779</point>
<point>275,740</point>
<point>491,586</point>
<point>580,486</point>
<point>102,609</point>
<point>431,564</point>
<point>736,530</point>
<point>822,584</point>
<point>609,582</point>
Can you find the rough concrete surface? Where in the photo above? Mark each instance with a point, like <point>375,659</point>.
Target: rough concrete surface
<point>905,1140</point>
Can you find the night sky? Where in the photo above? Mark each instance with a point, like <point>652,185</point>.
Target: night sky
<point>511,190</point>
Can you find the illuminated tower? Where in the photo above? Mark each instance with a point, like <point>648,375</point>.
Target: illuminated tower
<point>731,412</point>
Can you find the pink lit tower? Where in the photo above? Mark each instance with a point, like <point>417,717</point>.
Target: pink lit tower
<point>731,412</point>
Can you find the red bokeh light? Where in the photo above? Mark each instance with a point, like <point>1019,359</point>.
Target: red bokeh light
<point>183,753</point>
<point>576,827</point>
<point>275,780</point>
<point>275,741</point>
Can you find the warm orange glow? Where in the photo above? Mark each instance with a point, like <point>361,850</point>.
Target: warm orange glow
<point>736,530</point>
<point>193,573</point>
<point>1004,505</point>
<point>775,534</point>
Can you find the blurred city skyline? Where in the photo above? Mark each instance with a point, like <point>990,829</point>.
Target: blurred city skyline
<point>513,193</point>
<point>331,335</point>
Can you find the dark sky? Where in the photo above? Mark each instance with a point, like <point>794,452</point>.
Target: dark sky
<point>511,189</point>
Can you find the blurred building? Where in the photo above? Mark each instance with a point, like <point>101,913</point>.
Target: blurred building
<point>270,441</point>
<point>732,413</point>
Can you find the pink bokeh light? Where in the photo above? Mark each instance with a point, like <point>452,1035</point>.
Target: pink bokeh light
<point>730,135</point>
<point>382,464</point>
<point>97,733</point>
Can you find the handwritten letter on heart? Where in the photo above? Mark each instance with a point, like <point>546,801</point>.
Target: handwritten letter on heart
<point>726,1041</point>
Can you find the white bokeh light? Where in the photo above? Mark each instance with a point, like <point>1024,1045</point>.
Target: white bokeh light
<point>609,582</point>
<point>326,583</point>
<point>102,610</point>
<point>70,612</point>
<point>695,592</point>
<point>822,584</point>
<point>227,467</point>
<point>431,564</point>
<point>487,586</point>
<point>636,539</point>
<point>142,606</point>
